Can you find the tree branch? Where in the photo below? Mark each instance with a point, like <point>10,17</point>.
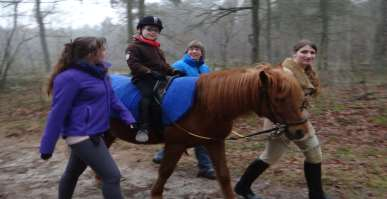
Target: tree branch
<point>212,16</point>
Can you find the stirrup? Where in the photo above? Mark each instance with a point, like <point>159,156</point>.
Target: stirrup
<point>142,136</point>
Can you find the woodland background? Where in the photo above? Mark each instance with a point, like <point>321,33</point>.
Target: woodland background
<point>350,116</point>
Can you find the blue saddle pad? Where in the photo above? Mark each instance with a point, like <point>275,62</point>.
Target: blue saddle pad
<point>176,102</point>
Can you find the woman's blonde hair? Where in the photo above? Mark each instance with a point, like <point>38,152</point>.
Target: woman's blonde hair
<point>73,51</point>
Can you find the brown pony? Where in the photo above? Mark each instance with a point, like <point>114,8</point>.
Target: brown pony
<point>220,98</point>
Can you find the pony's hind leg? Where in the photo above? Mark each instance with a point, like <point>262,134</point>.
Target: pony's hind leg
<point>217,154</point>
<point>168,164</point>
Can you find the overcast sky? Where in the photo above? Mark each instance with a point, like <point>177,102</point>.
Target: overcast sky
<point>69,13</point>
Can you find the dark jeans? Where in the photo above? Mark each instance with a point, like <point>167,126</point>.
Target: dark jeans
<point>204,162</point>
<point>97,156</point>
<point>145,86</point>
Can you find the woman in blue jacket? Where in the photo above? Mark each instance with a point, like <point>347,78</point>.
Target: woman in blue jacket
<point>192,64</point>
<point>82,100</point>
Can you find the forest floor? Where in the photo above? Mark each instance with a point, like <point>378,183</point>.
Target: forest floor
<point>351,123</point>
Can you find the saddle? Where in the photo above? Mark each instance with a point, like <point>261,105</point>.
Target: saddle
<point>161,87</point>
<point>175,96</point>
<point>159,91</point>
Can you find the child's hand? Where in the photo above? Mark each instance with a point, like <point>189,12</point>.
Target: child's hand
<point>157,75</point>
<point>179,73</point>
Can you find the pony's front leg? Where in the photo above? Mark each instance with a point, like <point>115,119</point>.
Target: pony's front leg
<point>172,155</point>
<point>217,154</point>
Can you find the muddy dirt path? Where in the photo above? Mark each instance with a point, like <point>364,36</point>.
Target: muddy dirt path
<point>24,176</point>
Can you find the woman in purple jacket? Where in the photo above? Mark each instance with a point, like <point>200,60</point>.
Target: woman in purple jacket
<point>82,99</point>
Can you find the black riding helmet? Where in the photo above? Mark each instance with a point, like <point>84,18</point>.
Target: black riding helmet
<point>150,20</point>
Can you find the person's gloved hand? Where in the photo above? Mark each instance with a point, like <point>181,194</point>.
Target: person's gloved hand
<point>157,75</point>
<point>45,156</point>
<point>179,73</point>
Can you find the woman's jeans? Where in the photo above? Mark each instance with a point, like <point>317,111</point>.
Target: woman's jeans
<point>204,162</point>
<point>96,155</point>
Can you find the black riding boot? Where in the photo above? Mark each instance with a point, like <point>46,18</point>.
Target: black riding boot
<point>142,133</point>
<point>313,180</point>
<point>255,169</point>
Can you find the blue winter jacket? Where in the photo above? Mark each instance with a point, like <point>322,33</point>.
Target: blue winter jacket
<point>191,67</point>
<point>81,106</point>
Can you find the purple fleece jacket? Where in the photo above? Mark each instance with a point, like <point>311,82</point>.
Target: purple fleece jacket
<point>81,106</point>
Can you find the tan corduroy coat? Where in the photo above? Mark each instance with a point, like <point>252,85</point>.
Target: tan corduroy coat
<point>306,77</point>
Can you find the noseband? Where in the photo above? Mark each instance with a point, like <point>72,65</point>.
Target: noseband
<point>278,128</point>
<point>283,125</point>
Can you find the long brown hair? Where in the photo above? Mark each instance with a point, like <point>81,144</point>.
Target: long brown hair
<point>312,75</point>
<point>73,51</point>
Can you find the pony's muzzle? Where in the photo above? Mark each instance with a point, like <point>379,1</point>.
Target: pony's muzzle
<point>296,135</point>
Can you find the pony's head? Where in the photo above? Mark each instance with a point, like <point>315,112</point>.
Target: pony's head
<point>282,101</point>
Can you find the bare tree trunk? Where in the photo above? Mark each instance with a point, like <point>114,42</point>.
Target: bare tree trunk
<point>323,61</point>
<point>8,43</point>
<point>129,18</point>
<point>7,61</point>
<point>11,59</point>
<point>141,9</point>
<point>42,35</point>
<point>9,56</point>
<point>30,57</point>
<point>268,31</point>
<point>228,33</point>
<point>256,30</point>
<point>380,40</point>
<point>279,53</point>
<point>384,31</point>
<point>225,43</point>
<point>7,51</point>
<point>350,46</point>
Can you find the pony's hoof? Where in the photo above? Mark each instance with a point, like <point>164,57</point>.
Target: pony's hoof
<point>156,197</point>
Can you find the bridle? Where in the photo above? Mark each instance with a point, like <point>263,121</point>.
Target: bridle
<point>280,126</point>
<point>275,118</point>
<point>277,130</point>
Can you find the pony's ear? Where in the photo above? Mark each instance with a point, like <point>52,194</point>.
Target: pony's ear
<point>264,79</point>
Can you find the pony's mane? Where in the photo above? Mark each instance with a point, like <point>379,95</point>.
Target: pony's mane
<point>283,81</point>
<point>235,91</point>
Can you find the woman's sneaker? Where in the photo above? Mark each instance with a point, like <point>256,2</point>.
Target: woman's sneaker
<point>142,135</point>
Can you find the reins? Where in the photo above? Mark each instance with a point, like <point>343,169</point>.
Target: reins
<point>275,131</point>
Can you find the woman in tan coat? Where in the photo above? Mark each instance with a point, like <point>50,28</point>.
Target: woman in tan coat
<point>300,65</point>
